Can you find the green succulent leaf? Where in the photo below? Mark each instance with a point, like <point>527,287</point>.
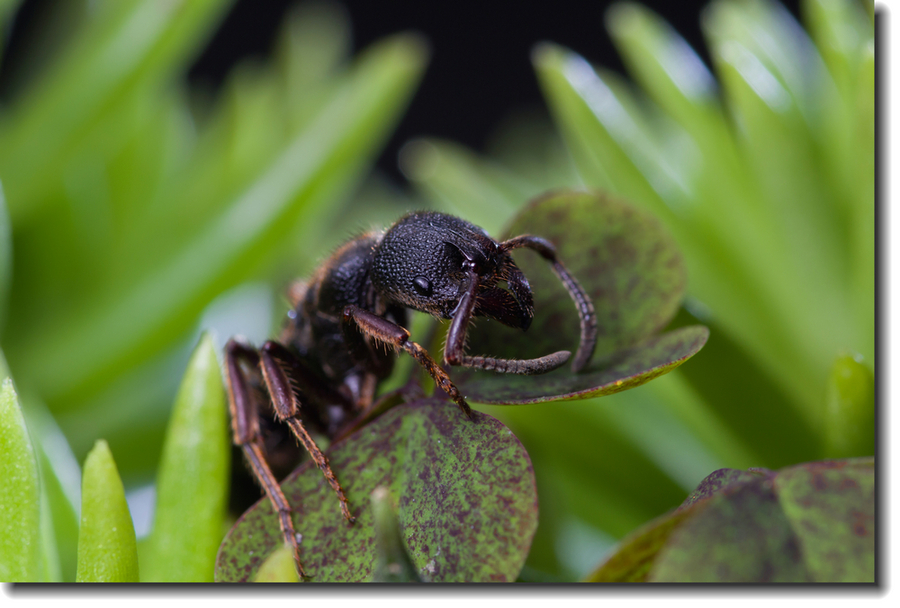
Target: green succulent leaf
<point>630,268</point>
<point>278,567</point>
<point>20,494</point>
<point>850,409</point>
<point>107,548</point>
<point>465,491</point>
<point>60,475</point>
<point>813,522</point>
<point>192,484</point>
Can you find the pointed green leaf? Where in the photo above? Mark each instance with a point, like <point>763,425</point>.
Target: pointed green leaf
<point>192,483</point>
<point>20,494</point>
<point>850,409</point>
<point>758,50</point>
<point>663,62</point>
<point>598,127</point>
<point>60,492</point>
<point>467,507</point>
<point>107,549</point>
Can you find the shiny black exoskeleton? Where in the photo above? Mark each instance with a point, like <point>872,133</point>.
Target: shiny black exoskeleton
<point>328,360</point>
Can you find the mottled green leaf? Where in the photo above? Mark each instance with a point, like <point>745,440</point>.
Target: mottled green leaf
<point>465,490</point>
<point>20,494</point>
<point>631,269</point>
<point>634,557</point>
<point>813,522</point>
<point>107,549</point>
<point>626,369</point>
<point>192,483</point>
<point>718,481</point>
<point>831,509</point>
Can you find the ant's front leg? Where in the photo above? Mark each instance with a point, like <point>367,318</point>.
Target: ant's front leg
<point>396,336</point>
<point>456,340</point>
<point>586,314</point>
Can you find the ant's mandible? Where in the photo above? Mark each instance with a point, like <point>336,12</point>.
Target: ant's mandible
<point>329,358</point>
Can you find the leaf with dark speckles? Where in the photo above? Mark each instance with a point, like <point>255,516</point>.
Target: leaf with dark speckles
<point>465,490</point>
<point>628,369</point>
<point>632,270</point>
<point>813,522</point>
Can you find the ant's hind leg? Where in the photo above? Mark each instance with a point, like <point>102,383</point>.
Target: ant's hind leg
<point>398,337</point>
<point>272,359</point>
<point>246,435</point>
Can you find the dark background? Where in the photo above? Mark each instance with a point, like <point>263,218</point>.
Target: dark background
<point>480,69</point>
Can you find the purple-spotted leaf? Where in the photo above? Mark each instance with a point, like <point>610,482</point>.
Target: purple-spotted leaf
<point>807,523</point>
<point>627,369</point>
<point>464,489</point>
<point>629,266</point>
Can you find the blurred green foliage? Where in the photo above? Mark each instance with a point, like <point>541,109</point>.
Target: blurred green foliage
<point>129,205</point>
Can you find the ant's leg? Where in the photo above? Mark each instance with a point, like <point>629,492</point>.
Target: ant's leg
<point>456,340</point>
<point>398,337</point>
<point>272,359</point>
<point>583,304</point>
<point>245,429</point>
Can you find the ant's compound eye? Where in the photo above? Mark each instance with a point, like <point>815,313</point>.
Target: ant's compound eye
<point>423,286</point>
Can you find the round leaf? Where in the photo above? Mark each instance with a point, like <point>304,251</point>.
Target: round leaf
<point>466,501</point>
<point>623,257</point>
<point>813,522</point>
<point>631,269</point>
<point>626,370</point>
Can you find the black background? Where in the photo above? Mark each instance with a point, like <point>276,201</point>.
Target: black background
<point>480,67</point>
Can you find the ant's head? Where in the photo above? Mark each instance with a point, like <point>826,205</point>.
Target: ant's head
<point>424,260</point>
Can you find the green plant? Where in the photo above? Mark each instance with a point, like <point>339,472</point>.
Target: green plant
<point>466,488</point>
<point>765,178</point>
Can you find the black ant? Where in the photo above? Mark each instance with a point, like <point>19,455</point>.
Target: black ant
<point>330,357</point>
